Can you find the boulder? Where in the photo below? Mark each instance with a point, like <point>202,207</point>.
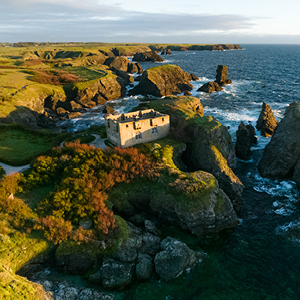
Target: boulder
<point>190,77</point>
<point>245,137</point>
<point>108,109</point>
<point>150,244</point>
<point>66,291</point>
<point>61,111</point>
<point>168,51</point>
<point>72,115</point>
<point>175,258</point>
<point>151,228</point>
<point>74,106</point>
<point>194,77</point>
<point>144,267</point>
<point>147,56</point>
<point>86,224</point>
<point>116,274</point>
<point>221,77</point>
<point>282,154</point>
<point>161,81</point>
<point>266,122</point>
<point>210,87</point>
<point>128,251</point>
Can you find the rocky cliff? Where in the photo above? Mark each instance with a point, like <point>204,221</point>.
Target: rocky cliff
<point>282,154</point>
<point>209,144</point>
<point>162,81</point>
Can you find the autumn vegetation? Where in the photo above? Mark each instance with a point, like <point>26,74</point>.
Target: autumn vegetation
<point>54,77</point>
<point>82,176</point>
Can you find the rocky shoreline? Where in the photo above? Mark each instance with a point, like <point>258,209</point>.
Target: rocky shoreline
<point>203,160</point>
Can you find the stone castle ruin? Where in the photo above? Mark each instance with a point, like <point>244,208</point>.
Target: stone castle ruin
<point>137,127</point>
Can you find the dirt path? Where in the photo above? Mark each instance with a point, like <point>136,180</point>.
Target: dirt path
<point>10,169</point>
<point>98,142</point>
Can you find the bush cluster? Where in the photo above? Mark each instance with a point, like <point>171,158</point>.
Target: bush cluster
<point>82,176</point>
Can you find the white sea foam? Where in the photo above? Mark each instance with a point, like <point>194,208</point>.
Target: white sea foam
<point>286,190</point>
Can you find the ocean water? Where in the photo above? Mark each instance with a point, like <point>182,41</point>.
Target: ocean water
<point>257,259</point>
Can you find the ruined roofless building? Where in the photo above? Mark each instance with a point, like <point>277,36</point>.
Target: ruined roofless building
<point>137,127</point>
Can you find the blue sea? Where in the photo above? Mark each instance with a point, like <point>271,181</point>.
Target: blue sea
<point>256,260</point>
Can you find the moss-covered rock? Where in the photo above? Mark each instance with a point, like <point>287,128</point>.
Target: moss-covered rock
<point>209,144</point>
<point>162,81</point>
<point>193,201</point>
<point>108,88</point>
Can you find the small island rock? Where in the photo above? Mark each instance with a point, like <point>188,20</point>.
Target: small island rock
<point>266,122</point>
<point>245,137</point>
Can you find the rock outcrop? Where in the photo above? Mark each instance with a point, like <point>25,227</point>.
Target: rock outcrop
<point>107,88</point>
<point>211,149</point>
<point>136,257</point>
<point>28,118</point>
<point>162,81</point>
<point>123,64</point>
<point>147,56</point>
<point>210,87</point>
<point>245,137</point>
<point>266,122</point>
<point>174,259</point>
<point>282,154</point>
<point>209,144</point>
<point>221,80</point>
<point>221,77</point>
<point>65,291</point>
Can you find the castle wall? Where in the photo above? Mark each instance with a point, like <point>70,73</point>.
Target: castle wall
<point>138,127</point>
<point>144,131</point>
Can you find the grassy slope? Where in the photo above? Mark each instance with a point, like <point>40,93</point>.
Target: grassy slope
<point>16,86</point>
<point>19,146</point>
<point>15,250</point>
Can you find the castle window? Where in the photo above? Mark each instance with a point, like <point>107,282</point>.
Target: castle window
<point>126,125</point>
<point>137,125</point>
<point>154,130</point>
<point>163,119</point>
<point>138,136</point>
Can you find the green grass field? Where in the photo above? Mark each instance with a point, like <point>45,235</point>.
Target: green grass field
<point>19,147</point>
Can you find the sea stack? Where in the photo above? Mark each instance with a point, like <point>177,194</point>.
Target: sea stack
<point>266,122</point>
<point>221,78</point>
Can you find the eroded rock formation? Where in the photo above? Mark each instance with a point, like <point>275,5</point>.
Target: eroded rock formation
<point>147,56</point>
<point>210,87</point>
<point>162,81</point>
<point>245,137</point>
<point>221,77</point>
<point>266,122</point>
<point>282,154</point>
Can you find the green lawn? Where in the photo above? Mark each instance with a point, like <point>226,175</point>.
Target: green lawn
<point>19,147</point>
<point>85,73</point>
